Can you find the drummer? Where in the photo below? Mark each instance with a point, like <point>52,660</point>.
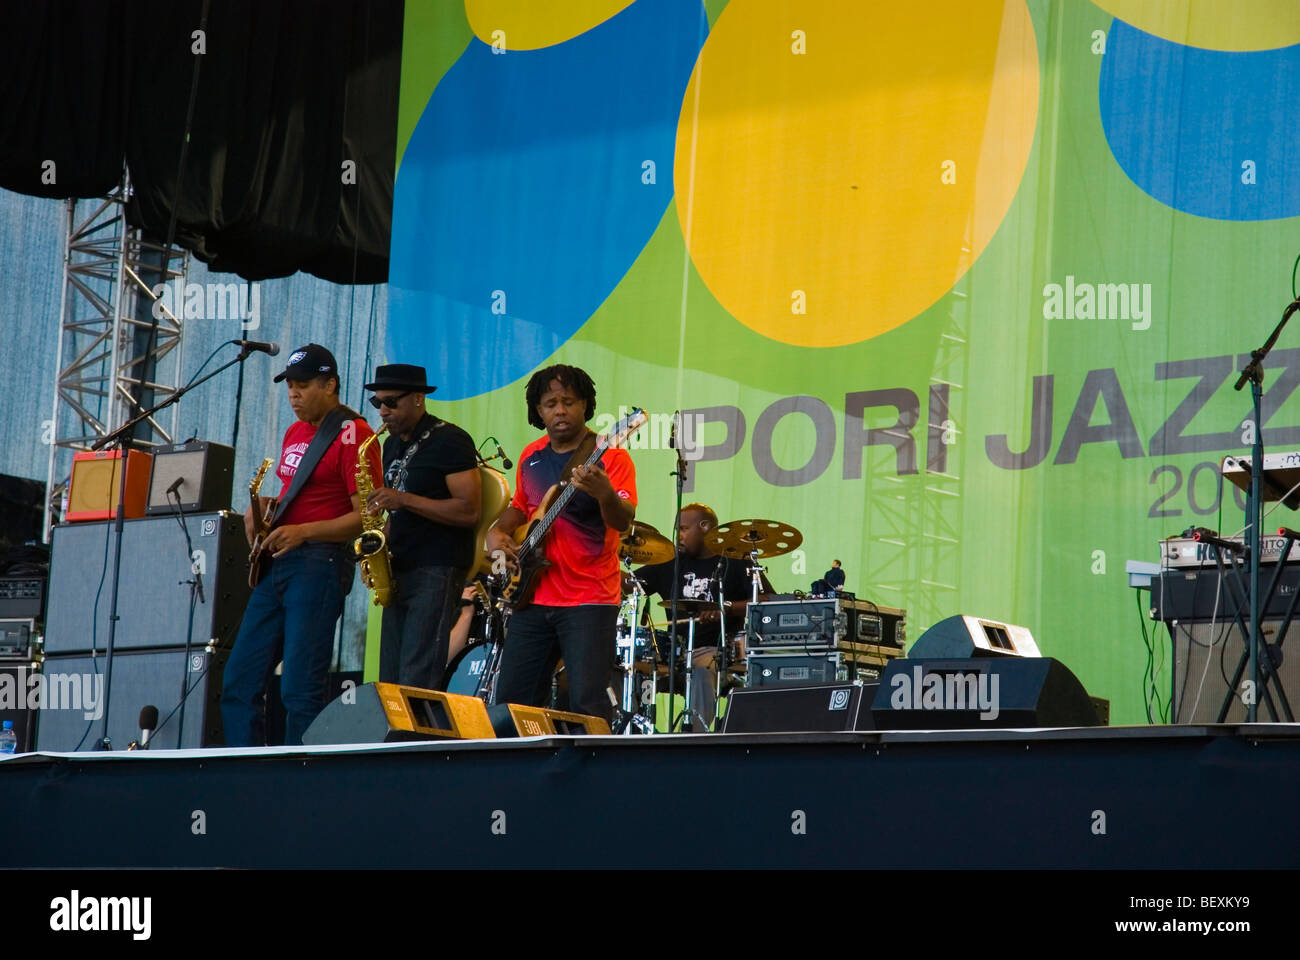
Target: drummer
<point>698,569</point>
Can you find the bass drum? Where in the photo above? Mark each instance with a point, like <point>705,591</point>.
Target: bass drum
<point>467,674</point>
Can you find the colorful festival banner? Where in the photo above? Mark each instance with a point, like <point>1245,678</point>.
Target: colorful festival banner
<point>958,289</point>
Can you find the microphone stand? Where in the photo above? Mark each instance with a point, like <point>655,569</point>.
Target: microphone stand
<point>680,475</point>
<point>196,597</point>
<point>1254,372</point>
<point>122,437</point>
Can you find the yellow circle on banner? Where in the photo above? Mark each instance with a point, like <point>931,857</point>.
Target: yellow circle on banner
<point>1213,24</point>
<point>839,166</point>
<point>531,24</point>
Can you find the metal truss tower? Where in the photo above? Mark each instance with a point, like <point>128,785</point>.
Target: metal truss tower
<point>110,365</point>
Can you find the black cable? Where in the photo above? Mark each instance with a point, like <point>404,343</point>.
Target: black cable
<point>1294,295</point>
<point>219,348</point>
<point>1148,681</point>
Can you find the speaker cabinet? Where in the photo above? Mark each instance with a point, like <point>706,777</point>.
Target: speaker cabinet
<point>388,712</point>
<point>800,709</point>
<point>517,720</point>
<point>71,712</point>
<point>964,636</point>
<point>981,693</point>
<point>206,472</point>
<point>1205,658</point>
<point>154,597</point>
<point>93,489</point>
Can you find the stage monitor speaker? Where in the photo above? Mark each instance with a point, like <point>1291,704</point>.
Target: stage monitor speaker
<point>73,701</point>
<point>981,693</point>
<point>961,636</point>
<point>206,471</point>
<point>800,709</point>
<point>517,720</point>
<point>93,489</point>
<point>154,597</point>
<point>16,685</point>
<point>389,712</point>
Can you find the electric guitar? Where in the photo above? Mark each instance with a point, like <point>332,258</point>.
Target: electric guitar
<point>531,536</point>
<point>258,558</point>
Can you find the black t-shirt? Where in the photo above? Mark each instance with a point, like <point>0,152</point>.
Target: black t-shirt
<point>695,574</point>
<point>413,540</point>
<point>835,576</point>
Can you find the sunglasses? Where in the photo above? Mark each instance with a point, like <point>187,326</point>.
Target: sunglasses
<point>389,402</point>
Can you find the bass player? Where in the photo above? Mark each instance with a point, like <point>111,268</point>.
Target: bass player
<point>575,608</point>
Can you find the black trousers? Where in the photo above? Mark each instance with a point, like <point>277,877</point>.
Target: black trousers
<point>416,631</point>
<point>538,636</point>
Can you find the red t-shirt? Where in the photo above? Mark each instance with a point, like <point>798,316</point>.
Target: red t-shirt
<point>328,493</point>
<point>583,551</point>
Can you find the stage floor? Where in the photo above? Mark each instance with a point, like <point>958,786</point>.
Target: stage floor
<point>1144,797</point>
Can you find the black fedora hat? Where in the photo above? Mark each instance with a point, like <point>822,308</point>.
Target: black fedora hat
<point>401,376</point>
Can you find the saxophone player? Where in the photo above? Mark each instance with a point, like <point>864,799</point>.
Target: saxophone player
<point>299,598</point>
<point>433,495</point>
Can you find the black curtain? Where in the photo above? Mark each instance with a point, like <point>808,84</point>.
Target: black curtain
<point>291,146</point>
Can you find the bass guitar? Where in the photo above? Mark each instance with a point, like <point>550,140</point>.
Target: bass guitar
<point>531,536</point>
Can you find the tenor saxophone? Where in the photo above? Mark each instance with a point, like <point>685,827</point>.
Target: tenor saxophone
<point>371,548</point>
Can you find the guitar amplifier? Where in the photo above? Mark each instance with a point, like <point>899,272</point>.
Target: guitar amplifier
<point>206,473</point>
<point>823,623</point>
<point>94,486</point>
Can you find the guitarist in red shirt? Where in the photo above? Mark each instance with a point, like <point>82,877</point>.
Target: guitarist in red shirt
<point>574,607</point>
<point>304,569</point>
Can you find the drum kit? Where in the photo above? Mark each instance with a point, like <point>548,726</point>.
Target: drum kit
<point>643,646</point>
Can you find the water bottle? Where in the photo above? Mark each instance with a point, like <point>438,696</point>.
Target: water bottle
<point>8,739</point>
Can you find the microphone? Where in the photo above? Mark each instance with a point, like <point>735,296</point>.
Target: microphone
<point>176,485</point>
<point>672,433</point>
<point>1288,532</point>
<point>271,349</point>
<point>148,723</point>
<point>505,461</point>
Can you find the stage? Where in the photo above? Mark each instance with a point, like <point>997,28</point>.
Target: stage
<point>1163,797</point>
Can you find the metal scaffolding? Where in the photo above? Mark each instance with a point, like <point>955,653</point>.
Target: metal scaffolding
<point>110,363</point>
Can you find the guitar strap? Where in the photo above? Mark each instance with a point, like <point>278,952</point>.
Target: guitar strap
<point>329,428</point>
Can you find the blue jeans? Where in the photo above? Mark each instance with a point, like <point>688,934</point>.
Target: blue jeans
<point>538,636</point>
<point>291,614</point>
<point>416,631</point>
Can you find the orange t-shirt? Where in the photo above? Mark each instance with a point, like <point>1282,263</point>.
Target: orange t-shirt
<point>583,551</point>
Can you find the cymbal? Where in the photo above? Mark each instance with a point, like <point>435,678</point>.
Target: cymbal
<point>737,538</point>
<point>644,544</point>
